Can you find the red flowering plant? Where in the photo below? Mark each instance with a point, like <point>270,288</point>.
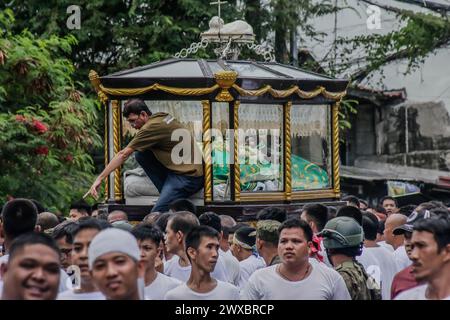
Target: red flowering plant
<point>47,127</point>
<point>39,126</point>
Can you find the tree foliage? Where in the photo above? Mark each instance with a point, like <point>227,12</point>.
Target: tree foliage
<point>120,34</point>
<point>420,35</point>
<point>47,125</point>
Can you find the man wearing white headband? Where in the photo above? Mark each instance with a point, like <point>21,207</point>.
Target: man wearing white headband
<point>243,248</point>
<point>115,266</point>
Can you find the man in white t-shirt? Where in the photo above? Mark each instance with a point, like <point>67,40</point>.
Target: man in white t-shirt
<point>296,277</point>
<point>385,268</point>
<point>85,289</point>
<point>116,268</point>
<point>430,255</point>
<point>267,241</point>
<point>243,248</point>
<point>231,264</point>
<point>156,284</point>
<point>227,223</point>
<point>20,217</point>
<point>394,221</point>
<point>177,227</point>
<point>33,268</point>
<point>179,266</point>
<point>202,249</point>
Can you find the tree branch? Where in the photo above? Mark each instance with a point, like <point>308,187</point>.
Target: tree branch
<point>431,5</point>
<point>364,72</point>
<point>436,7</point>
<point>388,8</point>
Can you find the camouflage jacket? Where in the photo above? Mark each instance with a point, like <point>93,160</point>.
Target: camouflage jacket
<point>359,284</point>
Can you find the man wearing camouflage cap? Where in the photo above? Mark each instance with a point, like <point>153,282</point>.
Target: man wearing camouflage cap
<point>343,239</point>
<point>267,241</point>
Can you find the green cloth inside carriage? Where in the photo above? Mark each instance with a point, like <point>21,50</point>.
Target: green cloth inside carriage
<point>305,175</point>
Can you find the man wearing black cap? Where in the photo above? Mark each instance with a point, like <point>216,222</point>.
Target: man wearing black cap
<point>430,255</point>
<point>243,249</point>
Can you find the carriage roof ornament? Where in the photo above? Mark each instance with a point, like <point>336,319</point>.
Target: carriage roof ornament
<point>229,39</point>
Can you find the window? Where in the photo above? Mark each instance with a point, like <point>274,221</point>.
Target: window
<point>260,141</point>
<point>310,147</point>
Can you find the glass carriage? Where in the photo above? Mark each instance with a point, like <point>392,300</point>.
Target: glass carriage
<point>269,132</point>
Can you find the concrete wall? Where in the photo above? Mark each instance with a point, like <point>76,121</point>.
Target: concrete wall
<point>428,135</point>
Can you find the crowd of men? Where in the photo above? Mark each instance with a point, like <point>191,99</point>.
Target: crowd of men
<point>353,252</point>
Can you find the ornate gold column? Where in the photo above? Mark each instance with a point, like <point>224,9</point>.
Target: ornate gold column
<point>287,152</point>
<point>207,149</point>
<point>117,137</point>
<point>95,81</point>
<point>335,127</point>
<point>106,153</point>
<point>237,168</point>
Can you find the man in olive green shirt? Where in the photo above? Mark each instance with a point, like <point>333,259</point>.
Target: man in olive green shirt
<point>153,146</point>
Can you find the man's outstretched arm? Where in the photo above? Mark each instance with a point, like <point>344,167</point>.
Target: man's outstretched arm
<point>116,162</point>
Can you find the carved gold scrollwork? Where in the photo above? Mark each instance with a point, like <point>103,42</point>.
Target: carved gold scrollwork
<point>156,87</point>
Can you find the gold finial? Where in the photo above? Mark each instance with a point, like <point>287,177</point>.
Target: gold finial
<point>225,79</point>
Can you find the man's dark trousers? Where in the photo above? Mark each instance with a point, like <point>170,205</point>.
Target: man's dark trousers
<point>171,186</point>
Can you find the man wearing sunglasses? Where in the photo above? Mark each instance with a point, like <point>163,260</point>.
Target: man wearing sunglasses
<point>175,174</point>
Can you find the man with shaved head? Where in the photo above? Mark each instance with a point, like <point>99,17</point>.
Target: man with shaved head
<point>117,215</point>
<point>393,221</point>
<point>47,220</point>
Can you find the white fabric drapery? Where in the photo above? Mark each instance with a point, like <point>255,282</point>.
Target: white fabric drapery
<point>306,120</point>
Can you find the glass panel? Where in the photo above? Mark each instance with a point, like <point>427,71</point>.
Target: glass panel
<point>190,114</point>
<point>215,67</point>
<point>221,142</point>
<point>176,69</point>
<point>294,73</point>
<point>310,147</point>
<point>249,70</point>
<point>261,147</point>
